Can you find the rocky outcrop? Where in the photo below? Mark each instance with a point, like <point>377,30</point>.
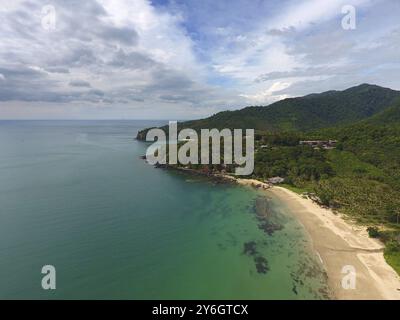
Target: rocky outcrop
<point>141,135</point>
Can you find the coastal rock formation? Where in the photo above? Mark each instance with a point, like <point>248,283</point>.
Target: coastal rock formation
<point>261,263</point>
<point>264,217</point>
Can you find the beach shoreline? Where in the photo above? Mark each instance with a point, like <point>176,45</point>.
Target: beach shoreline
<point>339,244</point>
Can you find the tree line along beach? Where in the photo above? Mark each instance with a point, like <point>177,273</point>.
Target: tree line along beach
<point>346,160</point>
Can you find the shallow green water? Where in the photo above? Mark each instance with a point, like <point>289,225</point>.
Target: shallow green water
<point>76,195</point>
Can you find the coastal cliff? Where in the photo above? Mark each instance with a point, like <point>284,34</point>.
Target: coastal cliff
<point>141,135</point>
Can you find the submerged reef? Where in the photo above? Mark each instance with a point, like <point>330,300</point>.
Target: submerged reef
<point>261,263</point>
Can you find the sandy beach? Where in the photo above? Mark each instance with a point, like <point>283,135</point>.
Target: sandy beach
<point>339,243</point>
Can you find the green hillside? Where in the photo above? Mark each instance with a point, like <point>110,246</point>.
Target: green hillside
<point>388,116</point>
<point>360,177</point>
<point>303,113</point>
<point>375,140</point>
<point>306,113</point>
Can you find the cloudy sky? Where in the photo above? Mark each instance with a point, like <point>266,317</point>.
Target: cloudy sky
<point>183,59</point>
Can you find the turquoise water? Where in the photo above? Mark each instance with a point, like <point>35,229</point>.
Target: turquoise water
<point>74,194</point>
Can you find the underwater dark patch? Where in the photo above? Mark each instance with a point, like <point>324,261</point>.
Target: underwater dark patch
<point>261,263</point>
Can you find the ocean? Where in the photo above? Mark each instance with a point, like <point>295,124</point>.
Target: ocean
<point>77,196</point>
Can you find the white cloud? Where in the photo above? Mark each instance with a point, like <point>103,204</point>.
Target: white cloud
<point>159,32</point>
<point>127,57</point>
<point>118,53</point>
<point>307,36</point>
<point>304,13</point>
<point>268,96</point>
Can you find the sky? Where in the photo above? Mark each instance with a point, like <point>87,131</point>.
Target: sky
<point>187,59</point>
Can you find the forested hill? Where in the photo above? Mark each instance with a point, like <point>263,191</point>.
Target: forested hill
<point>304,113</point>
<point>375,140</point>
<point>359,177</point>
<point>390,116</point>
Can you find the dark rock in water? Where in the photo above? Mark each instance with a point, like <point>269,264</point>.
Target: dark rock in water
<point>294,289</point>
<point>261,207</point>
<point>269,227</point>
<point>250,248</point>
<point>261,264</point>
<point>162,166</point>
<point>264,216</point>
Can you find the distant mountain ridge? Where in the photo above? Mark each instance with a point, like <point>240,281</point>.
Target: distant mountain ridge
<point>311,112</point>
<point>306,113</point>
